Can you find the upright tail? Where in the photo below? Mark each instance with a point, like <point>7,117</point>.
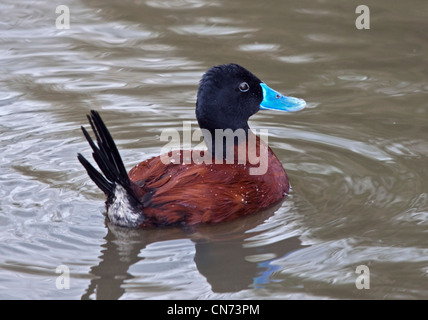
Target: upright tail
<point>107,157</point>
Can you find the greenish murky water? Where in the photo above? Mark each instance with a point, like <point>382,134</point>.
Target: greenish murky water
<point>357,156</point>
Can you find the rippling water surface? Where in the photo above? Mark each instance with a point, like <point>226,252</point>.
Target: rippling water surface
<point>357,156</point>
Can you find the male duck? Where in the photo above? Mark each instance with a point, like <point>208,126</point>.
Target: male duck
<point>159,193</point>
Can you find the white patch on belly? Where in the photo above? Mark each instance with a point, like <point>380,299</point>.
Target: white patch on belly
<point>121,212</point>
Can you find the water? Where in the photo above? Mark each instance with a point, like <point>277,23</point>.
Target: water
<point>356,157</point>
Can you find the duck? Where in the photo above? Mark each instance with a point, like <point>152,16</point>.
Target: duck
<point>219,183</point>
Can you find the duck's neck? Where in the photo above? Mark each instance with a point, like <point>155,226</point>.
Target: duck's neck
<point>221,143</point>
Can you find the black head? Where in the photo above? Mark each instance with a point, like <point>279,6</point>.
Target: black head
<point>228,96</point>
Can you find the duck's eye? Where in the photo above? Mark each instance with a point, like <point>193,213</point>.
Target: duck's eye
<point>244,87</point>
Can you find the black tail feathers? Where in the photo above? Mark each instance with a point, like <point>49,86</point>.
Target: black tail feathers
<point>107,157</point>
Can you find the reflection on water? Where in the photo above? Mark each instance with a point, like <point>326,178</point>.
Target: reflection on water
<point>227,256</point>
<point>356,156</point>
